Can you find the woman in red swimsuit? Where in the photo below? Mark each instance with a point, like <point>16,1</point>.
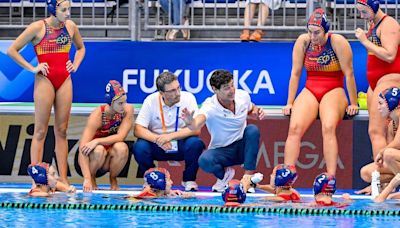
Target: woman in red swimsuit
<point>102,147</point>
<point>383,70</point>
<point>326,57</point>
<point>51,39</point>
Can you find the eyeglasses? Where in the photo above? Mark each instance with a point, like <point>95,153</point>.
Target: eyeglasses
<point>173,91</point>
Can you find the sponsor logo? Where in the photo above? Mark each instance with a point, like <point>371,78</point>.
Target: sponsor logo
<point>138,77</point>
<point>62,39</point>
<point>14,80</point>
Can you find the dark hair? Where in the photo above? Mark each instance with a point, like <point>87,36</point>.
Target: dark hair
<point>220,77</point>
<point>164,79</point>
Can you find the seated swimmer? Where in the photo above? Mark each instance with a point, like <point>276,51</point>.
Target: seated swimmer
<point>234,194</point>
<point>324,188</point>
<point>46,180</point>
<point>281,182</point>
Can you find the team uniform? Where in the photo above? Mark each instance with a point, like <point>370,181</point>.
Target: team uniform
<point>109,125</point>
<point>377,68</point>
<point>54,49</point>
<point>323,69</point>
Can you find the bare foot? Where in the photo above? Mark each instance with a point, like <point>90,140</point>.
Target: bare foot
<point>114,184</point>
<point>115,187</point>
<point>94,184</point>
<point>65,181</point>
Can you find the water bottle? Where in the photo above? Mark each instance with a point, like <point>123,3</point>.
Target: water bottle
<point>375,184</point>
<point>256,178</point>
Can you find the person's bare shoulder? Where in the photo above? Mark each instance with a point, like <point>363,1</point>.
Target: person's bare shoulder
<point>304,38</point>
<point>96,115</point>
<point>70,23</point>
<point>335,37</point>
<point>390,22</point>
<point>302,41</point>
<point>129,109</point>
<point>71,27</point>
<point>36,27</point>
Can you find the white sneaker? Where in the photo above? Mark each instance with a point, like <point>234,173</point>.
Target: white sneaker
<point>251,190</point>
<point>171,35</point>
<point>190,186</point>
<point>186,32</point>
<point>220,185</point>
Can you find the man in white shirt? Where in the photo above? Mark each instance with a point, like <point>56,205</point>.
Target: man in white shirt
<point>233,142</point>
<point>162,136</point>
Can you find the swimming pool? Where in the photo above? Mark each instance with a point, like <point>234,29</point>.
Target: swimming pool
<point>105,208</point>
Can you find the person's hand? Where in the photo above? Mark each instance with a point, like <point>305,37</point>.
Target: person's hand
<point>87,185</point>
<point>176,193</point>
<point>162,139</point>
<point>42,68</point>
<point>246,182</point>
<point>360,35</point>
<point>188,195</point>
<point>71,189</point>
<point>257,113</point>
<point>70,67</point>
<point>379,158</point>
<point>352,110</point>
<point>89,147</point>
<point>187,116</point>
<point>166,146</point>
<point>287,110</point>
<point>364,191</point>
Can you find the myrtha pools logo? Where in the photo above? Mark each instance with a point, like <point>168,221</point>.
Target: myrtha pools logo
<point>14,80</point>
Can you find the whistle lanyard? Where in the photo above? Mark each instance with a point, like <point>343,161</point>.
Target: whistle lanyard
<point>164,127</point>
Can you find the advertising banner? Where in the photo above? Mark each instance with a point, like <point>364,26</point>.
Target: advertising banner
<point>15,141</point>
<point>17,130</point>
<point>272,144</point>
<point>262,69</point>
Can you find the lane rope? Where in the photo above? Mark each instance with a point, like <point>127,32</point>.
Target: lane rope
<point>201,209</point>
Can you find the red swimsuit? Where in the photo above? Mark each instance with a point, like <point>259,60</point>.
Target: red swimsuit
<point>377,68</point>
<point>109,126</point>
<point>54,49</point>
<point>323,70</point>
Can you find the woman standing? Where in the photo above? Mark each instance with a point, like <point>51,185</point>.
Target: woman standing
<point>51,38</point>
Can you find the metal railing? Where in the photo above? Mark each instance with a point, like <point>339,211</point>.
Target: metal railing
<point>141,19</point>
<point>291,15</point>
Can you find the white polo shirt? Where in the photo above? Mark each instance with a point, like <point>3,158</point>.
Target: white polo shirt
<point>224,126</point>
<point>150,116</point>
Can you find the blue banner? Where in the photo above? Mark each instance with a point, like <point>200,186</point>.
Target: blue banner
<point>262,69</point>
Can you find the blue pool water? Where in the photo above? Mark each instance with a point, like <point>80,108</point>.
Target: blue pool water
<point>118,218</point>
<point>79,218</point>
